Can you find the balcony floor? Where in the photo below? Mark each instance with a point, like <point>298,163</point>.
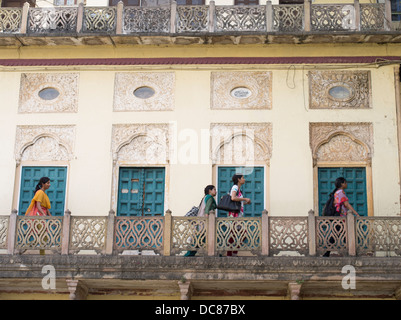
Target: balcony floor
<point>54,39</point>
<point>210,277</point>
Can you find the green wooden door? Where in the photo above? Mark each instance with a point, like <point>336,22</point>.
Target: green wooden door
<point>253,188</point>
<point>30,177</point>
<point>141,192</point>
<point>356,190</point>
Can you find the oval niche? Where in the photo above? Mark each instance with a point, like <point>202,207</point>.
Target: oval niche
<point>144,92</point>
<point>48,94</point>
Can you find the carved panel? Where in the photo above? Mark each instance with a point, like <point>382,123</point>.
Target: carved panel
<point>44,143</point>
<point>32,83</point>
<point>141,143</point>
<point>126,83</point>
<point>241,143</point>
<point>355,86</point>
<point>238,234</point>
<point>257,84</point>
<point>347,142</point>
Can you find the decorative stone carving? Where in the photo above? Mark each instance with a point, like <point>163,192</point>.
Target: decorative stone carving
<point>258,85</point>
<point>141,143</point>
<point>32,83</point>
<point>241,143</point>
<point>44,143</point>
<point>334,142</point>
<point>355,85</point>
<point>126,83</point>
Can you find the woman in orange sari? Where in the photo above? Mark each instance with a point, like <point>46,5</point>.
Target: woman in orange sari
<point>40,204</point>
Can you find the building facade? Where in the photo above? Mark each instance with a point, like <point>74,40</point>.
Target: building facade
<point>135,108</point>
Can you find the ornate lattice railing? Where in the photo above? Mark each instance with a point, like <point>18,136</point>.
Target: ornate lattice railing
<point>333,17</point>
<point>99,19</point>
<point>240,18</point>
<point>39,233</point>
<point>173,235</point>
<point>10,20</point>
<point>147,20</point>
<point>289,234</point>
<point>373,17</point>
<point>331,234</point>
<point>88,233</point>
<point>4,221</point>
<point>238,234</point>
<point>45,20</point>
<point>138,233</point>
<point>378,235</point>
<point>188,234</point>
<point>193,18</point>
<point>174,19</point>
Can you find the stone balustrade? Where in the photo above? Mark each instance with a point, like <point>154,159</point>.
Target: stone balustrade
<point>209,236</point>
<point>193,20</point>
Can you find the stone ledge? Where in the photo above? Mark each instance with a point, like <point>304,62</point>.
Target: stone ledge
<point>154,276</point>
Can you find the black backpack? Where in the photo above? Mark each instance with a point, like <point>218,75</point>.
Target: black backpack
<point>329,209</point>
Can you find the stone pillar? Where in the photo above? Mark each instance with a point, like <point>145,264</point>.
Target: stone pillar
<point>351,236</point>
<point>186,290</point>
<point>312,233</point>
<point>65,241</point>
<point>119,18</point>
<point>24,18</point>
<point>307,15</point>
<point>167,233</point>
<point>12,230</point>
<point>265,233</point>
<point>80,17</point>
<point>78,290</point>
<point>110,232</point>
<point>211,233</point>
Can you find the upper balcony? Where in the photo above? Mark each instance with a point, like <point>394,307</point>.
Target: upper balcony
<point>201,24</point>
<point>276,255</point>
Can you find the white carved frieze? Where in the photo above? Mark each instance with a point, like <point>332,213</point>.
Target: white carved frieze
<point>141,143</point>
<point>44,143</point>
<point>339,89</point>
<point>241,90</point>
<point>48,93</point>
<point>341,142</point>
<point>144,91</point>
<point>241,143</point>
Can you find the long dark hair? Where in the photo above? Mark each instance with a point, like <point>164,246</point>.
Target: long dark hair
<point>339,181</point>
<point>42,181</point>
<point>208,188</point>
<point>236,177</point>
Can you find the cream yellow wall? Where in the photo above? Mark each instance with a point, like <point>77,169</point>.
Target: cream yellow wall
<point>291,169</point>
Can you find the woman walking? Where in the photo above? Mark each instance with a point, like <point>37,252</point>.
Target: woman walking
<point>40,204</point>
<point>341,204</point>
<point>236,195</point>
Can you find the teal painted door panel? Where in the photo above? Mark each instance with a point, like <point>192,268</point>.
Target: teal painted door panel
<point>253,188</point>
<point>356,190</point>
<point>30,177</point>
<point>141,192</point>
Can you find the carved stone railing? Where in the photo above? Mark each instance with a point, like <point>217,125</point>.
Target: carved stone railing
<point>378,236</point>
<point>138,233</point>
<point>10,20</point>
<point>4,222</point>
<point>38,233</point>
<point>172,235</point>
<point>174,19</point>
